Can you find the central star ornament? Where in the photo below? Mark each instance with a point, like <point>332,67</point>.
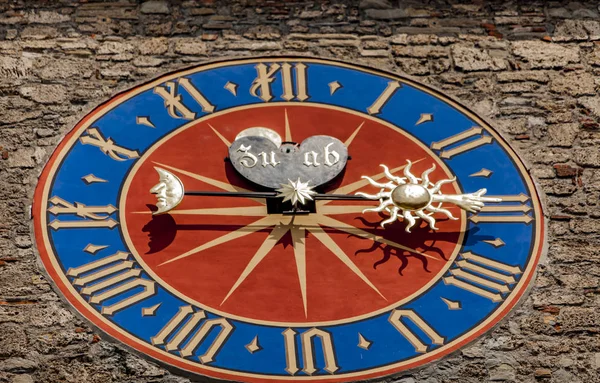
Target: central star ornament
<point>296,191</point>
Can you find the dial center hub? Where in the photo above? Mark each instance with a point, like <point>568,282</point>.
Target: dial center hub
<point>411,197</point>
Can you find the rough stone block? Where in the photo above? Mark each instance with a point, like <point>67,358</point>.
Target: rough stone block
<point>387,14</point>
<point>153,46</point>
<point>13,340</point>
<point>574,84</point>
<point>47,17</point>
<point>263,32</point>
<point>592,104</point>
<point>563,134</point>
<point>587,156</point>
<point>310,14</point>
<point>115,47</point>
<point>147,61</point>
<point>14,68</point>
<point>256,46</point>
<point>22,378</point>
<point>44,93</point>
<point>580,319</point>
<point>545,55</point>
<point>375,4</point>
<point>420,51</point>
<point>470,59</point>
<point>155,7</point>
<point>52,70</point>
<point>535,76</point>
<point>39,33</point>
<point>202,11</point>
<point>570,30</point>
<point>18,365</point>
<point>190,46</point>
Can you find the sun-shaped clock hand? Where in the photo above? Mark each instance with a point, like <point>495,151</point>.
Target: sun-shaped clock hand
<point>410,195</point>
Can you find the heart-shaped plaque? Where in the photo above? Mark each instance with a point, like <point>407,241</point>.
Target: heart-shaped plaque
<point>259,157</point>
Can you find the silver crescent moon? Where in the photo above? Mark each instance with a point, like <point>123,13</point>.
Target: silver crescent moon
<point>169,191</point>
<point>258,131</point>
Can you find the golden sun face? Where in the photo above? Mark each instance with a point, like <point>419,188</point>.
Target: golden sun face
<point>407,195</point>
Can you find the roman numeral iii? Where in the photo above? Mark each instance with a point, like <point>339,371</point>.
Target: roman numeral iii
<point>306,348</point>
<point>483,276</point>
<point>174,335</point>
<point>110,277</point>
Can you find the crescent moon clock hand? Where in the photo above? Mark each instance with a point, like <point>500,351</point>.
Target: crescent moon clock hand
<point>407,195</point>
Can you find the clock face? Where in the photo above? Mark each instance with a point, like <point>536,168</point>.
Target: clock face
<point>210,220</point>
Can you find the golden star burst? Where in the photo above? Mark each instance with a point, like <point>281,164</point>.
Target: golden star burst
<point>296,191</point>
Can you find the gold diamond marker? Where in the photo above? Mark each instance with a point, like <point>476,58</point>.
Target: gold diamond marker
<point>143,120</point>
<point>333,87</point>
<point>232,87</point>
<point>496,242</point>
<point>150,311</point>
<point>482,173</point>
<point>253,346</point>
<point>452,305</point>
<point>363,343</point>
<point>93,249</point>
<point>425,117</point>
<point>90,179</point>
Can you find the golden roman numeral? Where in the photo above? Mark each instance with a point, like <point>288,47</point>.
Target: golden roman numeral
<point>396,320</point>
<point>103,279</point>
<point>492,278</point>
<point>174,337</point>
<point>495,207</point>
<point>107,146</point>
<point>449,153</point>
<point>175,106</point>
<point>384,97</point>
<point>261,86</point>
<point>307,339</point>
<point>91,213</point>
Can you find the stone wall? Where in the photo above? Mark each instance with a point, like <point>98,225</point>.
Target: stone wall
<point>530,67</point>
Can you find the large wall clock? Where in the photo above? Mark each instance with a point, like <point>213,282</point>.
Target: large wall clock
<point>286,218</point>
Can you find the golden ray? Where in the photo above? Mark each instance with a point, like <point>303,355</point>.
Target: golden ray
<point>339,225</point>
<point>347,189</point>
<point>351,138</point>
<point>345,209</point>
<point>298,239</point>
<point>243,211</point>
<point>335,249</point>
<point>288,132</point>
<point>261,224</point>
<point>211,181</point>
<point>264,249</point>
<point>225,140</point>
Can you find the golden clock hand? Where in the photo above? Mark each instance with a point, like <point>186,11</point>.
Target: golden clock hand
<point>408,195</point>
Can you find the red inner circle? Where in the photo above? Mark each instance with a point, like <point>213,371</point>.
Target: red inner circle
<point>346,274</point>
